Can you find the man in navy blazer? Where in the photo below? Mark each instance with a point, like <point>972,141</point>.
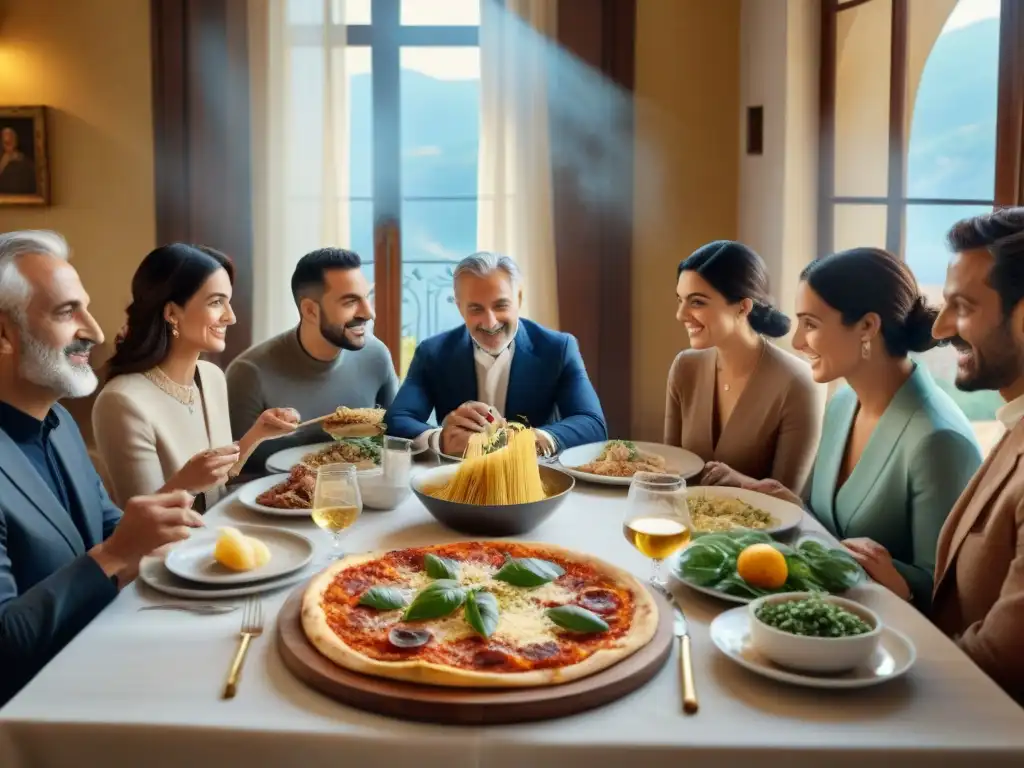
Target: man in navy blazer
<point>65,549</point>
<point>497,364</point>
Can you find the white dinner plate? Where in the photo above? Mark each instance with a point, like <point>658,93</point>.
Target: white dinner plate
<point>250,492</point>
<point>153,572</point>
<point>677,461</point>
<point>730,632</point>
<point>787,514</point>
<point>284,461</point>
<point>193,560</point>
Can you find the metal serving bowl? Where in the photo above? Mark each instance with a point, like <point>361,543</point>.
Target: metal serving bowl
<point>491,520</point>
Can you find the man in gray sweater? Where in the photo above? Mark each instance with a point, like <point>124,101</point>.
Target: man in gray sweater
<point>330,360</point>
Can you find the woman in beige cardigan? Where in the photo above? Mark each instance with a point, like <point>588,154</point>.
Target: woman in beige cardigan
<point>161,422</point>
<point>746,407</point>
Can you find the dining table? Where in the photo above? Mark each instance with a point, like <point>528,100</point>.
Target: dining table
<point>143,687</point>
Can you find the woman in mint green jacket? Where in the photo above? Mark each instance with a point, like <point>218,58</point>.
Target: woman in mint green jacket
<point>896,451</point>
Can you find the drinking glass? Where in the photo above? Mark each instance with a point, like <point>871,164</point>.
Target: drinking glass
<point>657,518</point>
<point>397,460</point>
<point>336,502</point>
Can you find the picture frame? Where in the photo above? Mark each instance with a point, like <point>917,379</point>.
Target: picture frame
<point>24,161</point>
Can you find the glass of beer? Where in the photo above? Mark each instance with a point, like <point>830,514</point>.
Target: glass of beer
<point>336,502</point>
<point>657,519</point>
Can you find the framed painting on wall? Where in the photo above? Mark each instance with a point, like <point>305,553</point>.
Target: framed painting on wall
<point>24,167</point>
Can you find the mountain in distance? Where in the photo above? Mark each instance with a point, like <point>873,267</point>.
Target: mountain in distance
<point>440,137</point>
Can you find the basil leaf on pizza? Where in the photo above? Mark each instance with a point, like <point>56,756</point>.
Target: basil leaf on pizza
<point>383,598</point>
<point>576,619</point>
<point>528,572</point>
<point>441,567</point>
<point>482,612</point>
<point>441,598</point>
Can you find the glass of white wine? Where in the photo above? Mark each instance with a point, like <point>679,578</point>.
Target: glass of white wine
<point>657,519</point>
<point>336,502</point>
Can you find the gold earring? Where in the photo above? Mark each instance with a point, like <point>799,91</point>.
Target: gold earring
<point>865,349</point>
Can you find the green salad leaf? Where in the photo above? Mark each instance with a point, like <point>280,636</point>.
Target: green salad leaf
<point>710,561</point>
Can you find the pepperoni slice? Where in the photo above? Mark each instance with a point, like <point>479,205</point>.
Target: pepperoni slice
<point>489,657</point>
<point>599,600</point>
<point>540,651</point>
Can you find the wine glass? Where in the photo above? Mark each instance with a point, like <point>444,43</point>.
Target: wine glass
<point>657,519</point>
<point>336,502</point>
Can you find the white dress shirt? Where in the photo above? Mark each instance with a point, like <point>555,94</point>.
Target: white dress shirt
<point>492,376</point>
<point>1011,413</point>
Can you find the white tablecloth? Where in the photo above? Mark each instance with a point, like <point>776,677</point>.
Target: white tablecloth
<point>143,689</point>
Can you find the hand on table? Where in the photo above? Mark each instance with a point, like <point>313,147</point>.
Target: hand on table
<point>876,560</point>
<point>771,487</point>
<point>717,473</point>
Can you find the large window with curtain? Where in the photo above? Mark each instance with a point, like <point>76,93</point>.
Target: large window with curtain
<point>921,116</point>
<point>403,77</point>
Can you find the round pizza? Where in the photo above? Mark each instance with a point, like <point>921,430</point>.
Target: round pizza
<point>477,614</point>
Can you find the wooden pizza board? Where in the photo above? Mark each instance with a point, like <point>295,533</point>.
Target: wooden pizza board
<point>467,706</point>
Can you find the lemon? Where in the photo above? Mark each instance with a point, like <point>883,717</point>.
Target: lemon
<point>762,565</point>
<point>238,552</point>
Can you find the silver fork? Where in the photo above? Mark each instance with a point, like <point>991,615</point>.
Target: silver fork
<point>252,627</point>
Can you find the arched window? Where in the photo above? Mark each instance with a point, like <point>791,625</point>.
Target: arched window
<point>922,104</point>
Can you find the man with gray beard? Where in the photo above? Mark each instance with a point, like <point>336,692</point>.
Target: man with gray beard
<point>65,549</point>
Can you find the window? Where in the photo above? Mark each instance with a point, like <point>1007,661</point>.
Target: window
<point>412,129</point>
<point>918,139</point>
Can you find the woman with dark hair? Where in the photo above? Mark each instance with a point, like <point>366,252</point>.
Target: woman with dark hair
<point>161,422</point>
<point>748,408</point>
<point>897,451</point>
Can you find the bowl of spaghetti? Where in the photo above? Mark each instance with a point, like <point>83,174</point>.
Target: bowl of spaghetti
<point>499,489</point>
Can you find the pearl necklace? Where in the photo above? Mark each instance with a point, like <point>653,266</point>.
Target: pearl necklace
<point>184,394</point>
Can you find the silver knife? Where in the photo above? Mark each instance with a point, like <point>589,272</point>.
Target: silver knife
<point>680,630</point>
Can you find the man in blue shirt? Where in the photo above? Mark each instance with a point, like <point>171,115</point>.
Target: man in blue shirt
<point>65,549</point>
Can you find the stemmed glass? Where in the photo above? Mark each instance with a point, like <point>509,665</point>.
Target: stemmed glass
<point>657,518</point>
<point>337,502</point>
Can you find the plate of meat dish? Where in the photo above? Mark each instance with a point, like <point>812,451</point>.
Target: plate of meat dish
<point>284,495</point>
<point>363,452</point>
<point>614,462</point>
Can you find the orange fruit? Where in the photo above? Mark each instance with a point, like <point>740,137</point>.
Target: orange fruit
<point>762,565</point>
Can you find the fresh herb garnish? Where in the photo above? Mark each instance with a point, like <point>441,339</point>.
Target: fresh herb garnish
<point>440,567</point>
<point>383,598</point>
<point>482,612</point>
<point>441,598</point>
<point>528,571</point>
<point>576,619</point>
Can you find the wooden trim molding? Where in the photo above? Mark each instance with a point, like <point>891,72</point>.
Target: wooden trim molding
<point>896,185</point>
<point>593,245</point>
<point>201,138</point>
<point>827,129</point>
<point>1010,122</point>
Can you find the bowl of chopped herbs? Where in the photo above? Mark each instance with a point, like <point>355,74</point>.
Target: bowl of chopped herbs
<point>813,631</point>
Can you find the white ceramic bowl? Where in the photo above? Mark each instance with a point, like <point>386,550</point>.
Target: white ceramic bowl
<point>377,493</point>
<point>822,655</point>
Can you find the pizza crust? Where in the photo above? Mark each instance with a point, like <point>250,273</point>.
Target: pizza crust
<point>318,631</point>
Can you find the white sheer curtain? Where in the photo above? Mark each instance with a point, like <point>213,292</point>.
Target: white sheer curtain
<point>300,149</point>
<point>515,192</point>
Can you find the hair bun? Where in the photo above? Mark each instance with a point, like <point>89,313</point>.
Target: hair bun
<point>767,320</point>
<point>918,325</point>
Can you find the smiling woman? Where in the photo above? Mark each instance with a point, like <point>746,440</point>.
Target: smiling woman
<point>162,421</point>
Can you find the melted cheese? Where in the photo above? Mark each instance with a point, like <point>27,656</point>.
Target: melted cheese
<point>521,619</point>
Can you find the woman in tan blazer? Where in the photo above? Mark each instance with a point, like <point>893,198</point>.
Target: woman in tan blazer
<point>161,422</point>
<point>748,408</point>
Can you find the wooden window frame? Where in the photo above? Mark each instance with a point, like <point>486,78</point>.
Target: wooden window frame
<point>1009,162</point>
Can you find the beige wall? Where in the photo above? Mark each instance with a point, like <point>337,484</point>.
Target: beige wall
<point>89,62</point>
<point>778,189</point>
<point>688,92</point>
